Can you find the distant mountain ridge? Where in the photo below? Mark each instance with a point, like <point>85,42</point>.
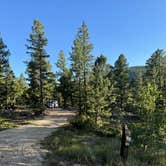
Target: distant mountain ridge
<point>134,70</point>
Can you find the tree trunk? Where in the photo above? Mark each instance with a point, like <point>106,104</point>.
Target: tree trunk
<point>79,89</point>
<point>41,87</point>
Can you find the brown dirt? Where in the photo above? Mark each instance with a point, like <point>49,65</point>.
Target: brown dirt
<point>21,146</point>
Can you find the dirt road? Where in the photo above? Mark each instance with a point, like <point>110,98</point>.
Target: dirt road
<point>21,146</point>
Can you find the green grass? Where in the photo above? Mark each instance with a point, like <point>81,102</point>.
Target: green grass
<point>12,119</point>
<point>72,146</point>
<point>7,123</point>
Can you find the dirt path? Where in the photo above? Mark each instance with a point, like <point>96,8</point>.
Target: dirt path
<point>21,146</point>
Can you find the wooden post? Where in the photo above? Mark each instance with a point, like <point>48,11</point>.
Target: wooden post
<point>125,141</point>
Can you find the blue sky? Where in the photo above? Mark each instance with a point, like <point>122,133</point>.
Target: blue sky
<point>133,27</point>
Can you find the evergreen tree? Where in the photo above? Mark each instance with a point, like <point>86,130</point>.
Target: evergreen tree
<point>156,75</point>
<point>4,71</point>
<point>4,58</point>
<point>20,90</point>
<point>149,130</point>
<point>155,68</point>
<point>151,103</point>
<point>10,88</point>
<point>81,64</point>
<point>49,84</point>
<point>164,82</point>
<point>64,78</point>
<point>37,67</point>
<point>136,86</point>
<point>121,78</point>
<point>100,85</point>
<point>61,63</point>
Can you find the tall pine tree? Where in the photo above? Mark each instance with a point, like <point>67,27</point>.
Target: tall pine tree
<point>64,75</point>
<point>100,92</point>
<point>6,75</point>
<point>37,67</point>
<point>81,64</point>
<point>155,70</point>
<point>121,78</point>
<point>156,75</point>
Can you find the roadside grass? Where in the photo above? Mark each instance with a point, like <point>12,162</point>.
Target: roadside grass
<point>14,118</point>
<point>7,123</point>
<point>68,146</point>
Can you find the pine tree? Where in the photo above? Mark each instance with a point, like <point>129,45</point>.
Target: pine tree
<point>81,64</point>
<point>64,79</point>
<point>49,84</point>
<point>155,68</point>
<point>10,88</point>
<point>156,74</point>
<point>135,87</point>
<point>164,82</point>
<point>37,67</point>
<point>121,78</point>
<point>150,126</point>
<point>20,90</point>
<point>61,63</point>
<point>4,66</point>
<point>4,58</point>
<point>151,104</point>
<point>100,87</point>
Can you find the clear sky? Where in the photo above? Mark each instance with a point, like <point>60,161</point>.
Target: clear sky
<point>133,27</point>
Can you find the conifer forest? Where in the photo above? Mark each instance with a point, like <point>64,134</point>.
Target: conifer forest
<point>119,110</point>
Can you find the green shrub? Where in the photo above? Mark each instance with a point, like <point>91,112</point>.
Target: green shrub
<point>81,122</point>
<point>107,132</point>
